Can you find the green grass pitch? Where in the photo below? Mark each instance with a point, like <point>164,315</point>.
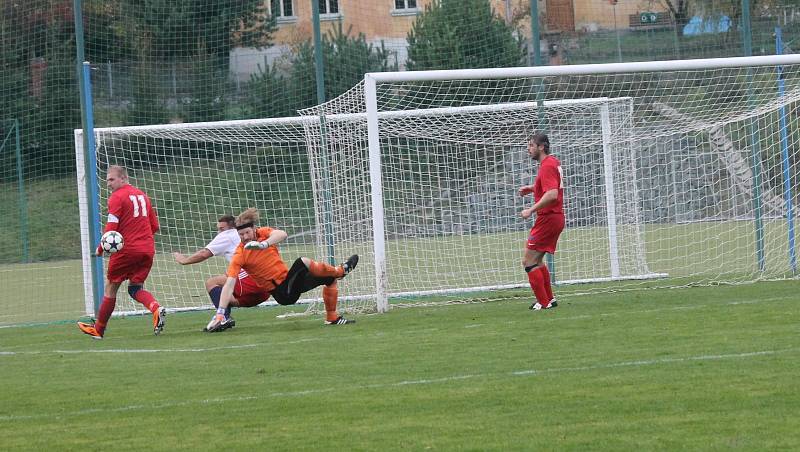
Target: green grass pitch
<point>711,368</point>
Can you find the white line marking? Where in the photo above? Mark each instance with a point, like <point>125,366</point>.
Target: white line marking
<point>427,381</point>
<point>153,350</point>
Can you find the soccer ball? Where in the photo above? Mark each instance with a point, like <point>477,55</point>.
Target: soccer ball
<point>111,242</point>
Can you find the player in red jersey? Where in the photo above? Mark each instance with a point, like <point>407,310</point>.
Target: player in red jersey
<point>131,213</point>
<point>548,194</point>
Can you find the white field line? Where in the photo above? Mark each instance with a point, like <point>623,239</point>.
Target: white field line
<point>425,381</point>
<point>154,350</point>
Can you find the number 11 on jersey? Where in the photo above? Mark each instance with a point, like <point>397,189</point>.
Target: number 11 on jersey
<point>138,200</point>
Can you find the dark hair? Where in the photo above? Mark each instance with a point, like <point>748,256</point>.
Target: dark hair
<point>541,139</point>
<point>228,219</point>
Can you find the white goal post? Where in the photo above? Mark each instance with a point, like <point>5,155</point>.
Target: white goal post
<point>417,172</point>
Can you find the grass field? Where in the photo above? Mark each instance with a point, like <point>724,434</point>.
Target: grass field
<point>689,253</point>
<point>701,369</point>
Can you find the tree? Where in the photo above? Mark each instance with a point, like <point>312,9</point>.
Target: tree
<point>38,86</point>
<point>275,91</point>
<point>198,35</point>
<point>461,34</point>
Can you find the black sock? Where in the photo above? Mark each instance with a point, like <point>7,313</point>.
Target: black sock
<point>215,294</point>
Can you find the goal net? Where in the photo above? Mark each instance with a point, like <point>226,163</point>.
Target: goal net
<point>680,174</point>
<point>681,171</point>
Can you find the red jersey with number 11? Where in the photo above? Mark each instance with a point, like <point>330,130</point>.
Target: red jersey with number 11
<point>549,178</point>
<point>134,212</point>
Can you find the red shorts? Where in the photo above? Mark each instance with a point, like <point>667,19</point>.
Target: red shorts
<point>247,292</point>
<point>545,232</point>
<point>133,266</point>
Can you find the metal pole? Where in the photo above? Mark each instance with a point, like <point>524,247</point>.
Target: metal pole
<point>787,185</point>
<point>748,37</point>
<point>616,32</point>
<point>676,39</point>
<point>537,50</point>
<point>88,146</point>
<point>326,192</point>
<point>23,203</point>
<point>755,145</point>
<point>110,81</point>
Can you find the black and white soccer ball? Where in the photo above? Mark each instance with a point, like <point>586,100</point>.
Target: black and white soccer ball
<point>111,242</point>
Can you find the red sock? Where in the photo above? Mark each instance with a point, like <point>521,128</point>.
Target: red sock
<point>330,295</point>
<point>146,298</point>
<point>323,270</point>
<point>546,278</point>
<point>106,308</point>
<point>537,284</point>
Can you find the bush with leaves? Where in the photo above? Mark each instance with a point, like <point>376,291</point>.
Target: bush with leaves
<point>275,91</point>
<point>462,34</point>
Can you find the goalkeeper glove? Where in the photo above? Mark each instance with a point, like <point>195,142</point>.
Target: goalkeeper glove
<point>99,251</point>
<point>254,245</point>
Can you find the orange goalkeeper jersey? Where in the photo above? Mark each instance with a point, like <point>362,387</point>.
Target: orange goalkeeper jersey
<point>265,266</point>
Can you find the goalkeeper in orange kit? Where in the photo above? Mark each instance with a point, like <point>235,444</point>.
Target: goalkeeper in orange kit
<point>258,255</point>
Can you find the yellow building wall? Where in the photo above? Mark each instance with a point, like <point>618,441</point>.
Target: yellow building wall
<point>374,18</point>
<point>591,15</point>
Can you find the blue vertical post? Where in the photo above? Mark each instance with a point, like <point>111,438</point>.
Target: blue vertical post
<point>90,160</point>
<point>23,203</point>
<point>93,198</point>
<point>755,145</point>
<point>787,184</point>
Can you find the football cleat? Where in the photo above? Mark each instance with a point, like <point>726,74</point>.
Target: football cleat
<point>538,307</point>
<point>89,329</point>
<point>350,264</point>
<point>219,323</point>
<point>339,321</point>
<point>158,320</point>
<point>227,324</point>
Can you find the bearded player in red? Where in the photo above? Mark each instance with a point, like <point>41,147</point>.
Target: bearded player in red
<point>130,213</point>
<point>548,195</point>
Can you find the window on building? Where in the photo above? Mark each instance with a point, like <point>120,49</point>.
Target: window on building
<point>329,6</point>
<point>282,8</point>
<point>405,4</point>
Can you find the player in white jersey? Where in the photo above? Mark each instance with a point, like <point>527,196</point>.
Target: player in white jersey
<point>224,244</point>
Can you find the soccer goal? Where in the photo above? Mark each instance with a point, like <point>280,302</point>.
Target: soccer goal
<point>683,171</point>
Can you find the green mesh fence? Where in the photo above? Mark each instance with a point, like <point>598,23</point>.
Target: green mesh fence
<point>180,61</point>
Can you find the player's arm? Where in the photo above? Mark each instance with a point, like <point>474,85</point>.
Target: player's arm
<point>525,190</point>
<point>154,226</point>
<point>234,268</point>
<point>112,222</point>
<point>549,198</point>
<point>199,256</point>
<point>227,293</point>
<point>551,181</point>
<point>275,237</point>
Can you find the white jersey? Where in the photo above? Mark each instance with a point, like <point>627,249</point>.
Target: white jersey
<point>224,244</point>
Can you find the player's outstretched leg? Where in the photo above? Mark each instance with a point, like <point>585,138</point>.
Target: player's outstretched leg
<point>350,264</point>
<point>330,296</point>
